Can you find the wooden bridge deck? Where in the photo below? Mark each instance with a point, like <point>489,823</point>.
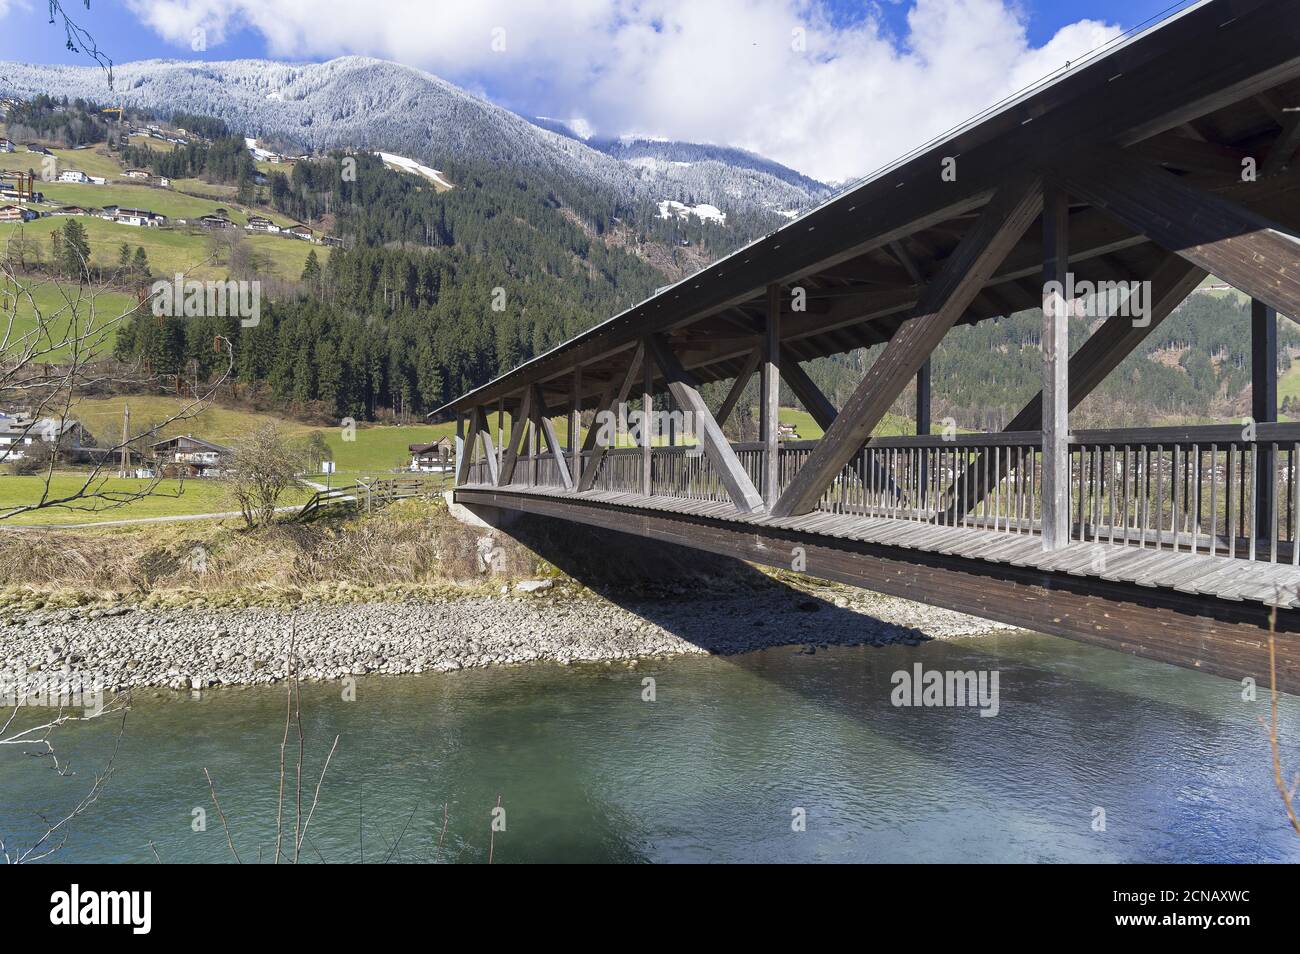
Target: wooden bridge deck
<point>1221,577</point>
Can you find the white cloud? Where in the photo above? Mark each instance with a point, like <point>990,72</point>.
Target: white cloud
<point>726,71</point>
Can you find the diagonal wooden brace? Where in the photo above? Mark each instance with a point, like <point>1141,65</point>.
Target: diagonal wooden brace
<point>945,298</point>
<point>685,391</point>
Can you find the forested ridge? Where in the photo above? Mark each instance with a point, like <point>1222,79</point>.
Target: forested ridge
<point>436,292</point>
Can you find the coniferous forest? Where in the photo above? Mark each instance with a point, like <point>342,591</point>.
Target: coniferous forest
<point>435,292</point>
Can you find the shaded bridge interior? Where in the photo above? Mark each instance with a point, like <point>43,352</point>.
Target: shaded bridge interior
<point>1162,160</point>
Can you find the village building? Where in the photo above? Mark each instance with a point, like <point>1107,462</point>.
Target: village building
<point>19,432</point>
<point>190,456</point>
<point>16,213</point>
<point>139,217</point>
<point>257,223</point>
<point>299,232</point>
<point>6,145</point>
<point>73,175</point>
<point>214,221</point>
<point>434,457</point>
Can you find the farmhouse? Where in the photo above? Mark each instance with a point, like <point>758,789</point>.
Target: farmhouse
<point>136,173</point>
<point>73,175</point>
<point>190,456</point>
<point>18,432</point>
<point>433,457</point>
<point>139,217</point>
<point>15,213</point>
<point>214,221</point>
<point>71,210</point>
<point>257,223</point>
<point>6,145</point>
<point>299,232</point>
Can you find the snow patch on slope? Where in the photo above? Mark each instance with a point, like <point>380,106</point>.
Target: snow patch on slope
<point>402,164</point>
<point>668,209</point>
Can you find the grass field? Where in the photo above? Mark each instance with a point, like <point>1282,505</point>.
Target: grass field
<point>170,250</point>
<point>375,448</point>
<point>169,498</point>
<point>93,161</point>
<point>57,314</point>
<point>157,145</point>
<point>168,202</point>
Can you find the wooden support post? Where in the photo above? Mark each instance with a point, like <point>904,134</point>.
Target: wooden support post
<point>552,442</point>
<point>520,424</point>
<point>534,430</point>
<point>945,299</point>
<point>611,403</point>
<point>483,433</point>
<point>684,388</point>
<point>575,425</point>
<point>1263,406</point>
<point>501,432</point>
<point>1056,364</point>
<point>462,458</point>
<point>647,424</point>
<point>770,406</point>
<point>923,429</point>
<point>1096,358</point>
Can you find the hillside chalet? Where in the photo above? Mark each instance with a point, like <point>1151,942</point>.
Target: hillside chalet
<point>434,457</point>
<point>190,456</point>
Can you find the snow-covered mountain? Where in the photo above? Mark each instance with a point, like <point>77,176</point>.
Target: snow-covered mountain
<point>358,102</point>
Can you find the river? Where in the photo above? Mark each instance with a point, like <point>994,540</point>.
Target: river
<point>722,765</point>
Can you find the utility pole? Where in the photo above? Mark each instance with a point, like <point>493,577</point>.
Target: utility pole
<point>126,436</point>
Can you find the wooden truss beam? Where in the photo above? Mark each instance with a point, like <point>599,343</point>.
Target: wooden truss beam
<point>686,393</point>
<point>610,403</point>
<point>1252,254</point>
<point>1117,338</point>
<point>519,424</point>
<point>483,432</point>
<point>738,386</point>
<point>553,445</point>
<point>946,297</point>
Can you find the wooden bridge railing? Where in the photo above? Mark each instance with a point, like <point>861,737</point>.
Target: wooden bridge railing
<point>1222,490</point>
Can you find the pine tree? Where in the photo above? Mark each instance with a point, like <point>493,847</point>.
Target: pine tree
<point>74,249</point>
<point>140,264</point>
<point>311,270</point>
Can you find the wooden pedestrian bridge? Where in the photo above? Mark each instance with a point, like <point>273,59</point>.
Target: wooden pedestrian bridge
<point>1142,168</point>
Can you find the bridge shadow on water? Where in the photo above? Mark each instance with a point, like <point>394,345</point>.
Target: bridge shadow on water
<point>1077,728</point>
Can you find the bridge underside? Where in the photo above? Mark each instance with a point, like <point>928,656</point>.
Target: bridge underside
<point>1114,598</point>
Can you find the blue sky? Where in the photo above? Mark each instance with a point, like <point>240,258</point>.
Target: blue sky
<point>786,78</point>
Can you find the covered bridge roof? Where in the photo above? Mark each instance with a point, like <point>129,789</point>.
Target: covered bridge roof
<point>1199,94</point>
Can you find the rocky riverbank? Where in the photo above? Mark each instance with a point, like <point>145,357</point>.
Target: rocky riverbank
<point>194,648</point>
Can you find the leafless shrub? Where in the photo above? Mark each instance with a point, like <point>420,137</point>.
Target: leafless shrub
<point>265,466</point>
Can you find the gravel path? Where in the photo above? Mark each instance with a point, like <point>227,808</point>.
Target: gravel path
<point>198,648</point>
